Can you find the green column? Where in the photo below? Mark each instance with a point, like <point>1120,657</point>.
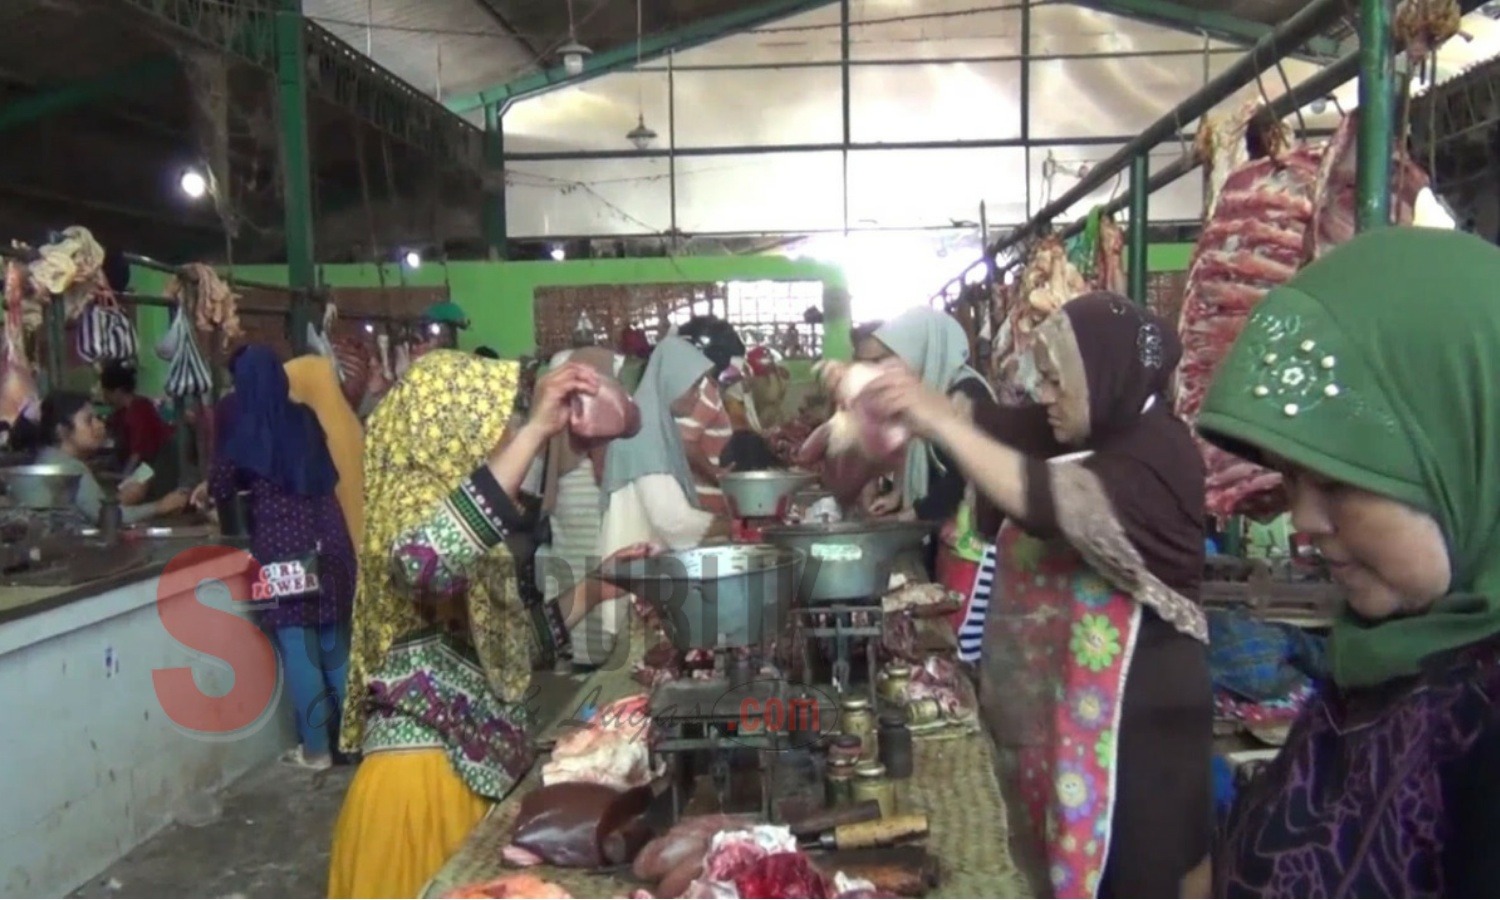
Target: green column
<point>54,319</point>
<point>291,81</point>
<point>1135,257</point>
<point>495,226</point>
<point>1377,76</point>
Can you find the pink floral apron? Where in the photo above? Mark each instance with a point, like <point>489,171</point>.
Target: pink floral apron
<point>1058,644</point>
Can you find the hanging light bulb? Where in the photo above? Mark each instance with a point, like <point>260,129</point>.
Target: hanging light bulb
<point>573,55</point>
<point>194,184</point>
<point>413,259</point>
<point>640,135</point>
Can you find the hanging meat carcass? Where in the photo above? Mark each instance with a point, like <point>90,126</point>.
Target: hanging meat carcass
<point>1048,281</point>
<point>1109,265</point>
<point>18,392</point>
<point>1272,216</point>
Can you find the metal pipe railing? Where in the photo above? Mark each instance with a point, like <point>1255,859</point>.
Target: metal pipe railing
<point>146,262</point>
<point>1310,21</point>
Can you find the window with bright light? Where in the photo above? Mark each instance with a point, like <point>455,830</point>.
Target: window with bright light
<point>777,313</point>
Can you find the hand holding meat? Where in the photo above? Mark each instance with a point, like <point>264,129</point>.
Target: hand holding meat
<point>856,444</point>
<point>552,410</point>
<point>899,395</point>
<point>639,550</point>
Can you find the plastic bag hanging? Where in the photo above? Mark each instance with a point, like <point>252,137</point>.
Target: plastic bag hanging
<point>318,341</point>
<point>188,376</point>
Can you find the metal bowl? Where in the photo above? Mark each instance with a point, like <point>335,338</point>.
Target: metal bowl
<point>846,561</point>
<point>736,595</point>
<point>758,495</point>
<point>41,487</point>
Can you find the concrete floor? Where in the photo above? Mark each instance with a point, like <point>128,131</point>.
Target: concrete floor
<point>271,840</point>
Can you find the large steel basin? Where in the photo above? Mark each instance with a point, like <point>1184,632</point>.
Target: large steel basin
<point>735,595</point>
<point>846,561</point>
<point>761,495</point>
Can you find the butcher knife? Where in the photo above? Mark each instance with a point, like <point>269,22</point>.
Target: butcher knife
<point>886,832</point>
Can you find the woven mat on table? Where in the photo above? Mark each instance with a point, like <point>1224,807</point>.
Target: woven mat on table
<point>955,785</point>
<point>479,858</point>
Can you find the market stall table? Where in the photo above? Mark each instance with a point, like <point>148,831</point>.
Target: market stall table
<point>96,763</point>
<point>955,785</point>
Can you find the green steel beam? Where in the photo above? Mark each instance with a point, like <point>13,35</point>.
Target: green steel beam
<point>1216,24</point>
<point>495,226</point>
<point>296,169</point>
<point>1377,115</point>
<point>1140,194</point>
<point>74,94</point>
<point>624,56</point>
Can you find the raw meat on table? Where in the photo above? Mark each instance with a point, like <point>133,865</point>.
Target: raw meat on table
<point>511,886</point>
<point>612,749</point>
<point>568,824</point>
<point>781,876</point>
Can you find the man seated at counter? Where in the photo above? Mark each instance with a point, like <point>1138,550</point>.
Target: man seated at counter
<point>67,436</point>
<point>141,434</point>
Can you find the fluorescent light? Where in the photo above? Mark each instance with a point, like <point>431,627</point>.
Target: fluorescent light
<point>194,184</point>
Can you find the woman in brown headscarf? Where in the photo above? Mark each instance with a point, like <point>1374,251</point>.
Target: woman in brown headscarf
<point>1094,672</point>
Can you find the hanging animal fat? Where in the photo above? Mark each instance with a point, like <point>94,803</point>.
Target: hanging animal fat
<point>18,392</point>
<point>1274,214</point>
<point>71,267</point>
<point>215,304</point>
<point>1048,281</point>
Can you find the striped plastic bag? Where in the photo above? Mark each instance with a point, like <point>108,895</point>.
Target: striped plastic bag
<point>187,373</point>
<point>105,332</point>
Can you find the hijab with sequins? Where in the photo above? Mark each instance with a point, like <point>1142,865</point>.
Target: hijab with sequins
<point>1378,367</point>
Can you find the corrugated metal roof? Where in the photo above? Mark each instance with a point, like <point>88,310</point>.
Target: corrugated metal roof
<point>440,46</point>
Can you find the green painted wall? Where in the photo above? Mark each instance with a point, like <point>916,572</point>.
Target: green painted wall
<point>1169,257</point>
<point>497,296</point>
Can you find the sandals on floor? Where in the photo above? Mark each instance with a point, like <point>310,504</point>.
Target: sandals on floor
<point>297,759</point>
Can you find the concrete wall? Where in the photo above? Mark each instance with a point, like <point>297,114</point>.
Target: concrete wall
<point>92,765</point>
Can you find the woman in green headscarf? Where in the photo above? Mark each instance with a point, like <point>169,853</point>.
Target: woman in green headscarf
<point>1371,381</point>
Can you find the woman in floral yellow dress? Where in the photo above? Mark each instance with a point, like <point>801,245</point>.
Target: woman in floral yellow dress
<point>443,643</point>
<point>1094,678</point>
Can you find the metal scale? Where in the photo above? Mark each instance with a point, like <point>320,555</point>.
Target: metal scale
<point>845,574</point>
<point>735,601</point>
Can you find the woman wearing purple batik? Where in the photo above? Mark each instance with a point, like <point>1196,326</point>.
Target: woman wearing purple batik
<point>1371,380</point>
<point>275,449</point>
